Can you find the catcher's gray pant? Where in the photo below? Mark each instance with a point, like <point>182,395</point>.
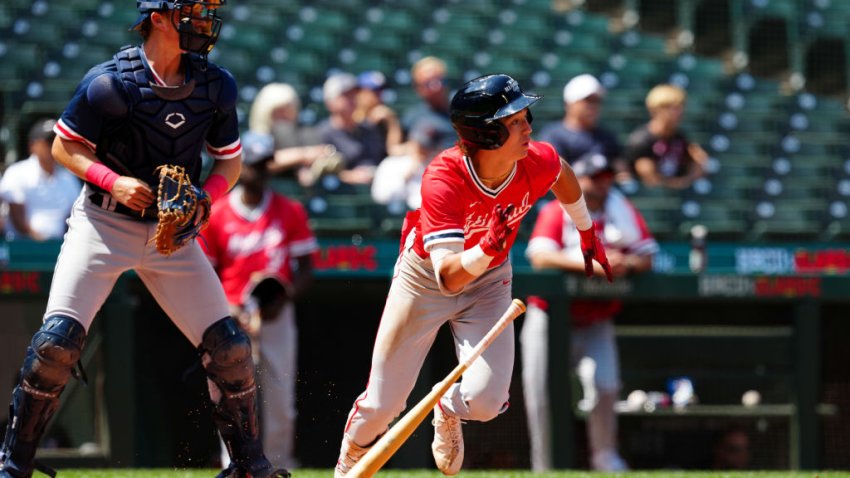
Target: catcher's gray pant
<point>100,245</point>
<point>414,311</point>
<point>594,350</point>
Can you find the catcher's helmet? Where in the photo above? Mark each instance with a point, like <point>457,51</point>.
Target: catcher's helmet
<point>480,103</point>
<point>196,21</point>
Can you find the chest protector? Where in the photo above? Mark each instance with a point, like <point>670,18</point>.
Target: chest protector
<point>164,125</point>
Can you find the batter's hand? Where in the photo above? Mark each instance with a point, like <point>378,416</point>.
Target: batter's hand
<point>592,249</point>
<point>498,231</point>
<point>133,193</point>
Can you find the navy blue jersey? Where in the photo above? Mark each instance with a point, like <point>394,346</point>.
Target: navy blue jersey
<point>124,112</point>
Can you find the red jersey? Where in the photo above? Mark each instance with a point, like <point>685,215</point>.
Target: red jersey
<point>246,243</point>
<point>456,206</point>
<point>619,226</point>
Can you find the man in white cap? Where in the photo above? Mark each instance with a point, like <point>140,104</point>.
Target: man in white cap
<point>577,133</point>
<point>361,144</point>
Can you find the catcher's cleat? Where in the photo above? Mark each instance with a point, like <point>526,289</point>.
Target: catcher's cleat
<point>447,446</point>
<point>349,454</point>
<point>262,470</point>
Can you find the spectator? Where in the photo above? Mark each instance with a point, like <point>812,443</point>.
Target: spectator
<point>39,192</point>
<point>398,178</point>
<point>429,81</point>
<point>298,149</point>
<point>732,451</point>
<point>555,244</point>
<point>578,132</point>
<point>659,152</point>
<point>371,108</point>
<point>360,144</point>
<point>253,239</point>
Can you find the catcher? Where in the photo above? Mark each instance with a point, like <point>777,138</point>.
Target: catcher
<point>261,246</point>
<point>152,105</point>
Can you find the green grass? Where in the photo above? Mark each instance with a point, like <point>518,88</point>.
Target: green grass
<point>466,474</point>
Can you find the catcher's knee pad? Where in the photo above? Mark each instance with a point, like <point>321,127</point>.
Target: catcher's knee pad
<point>230,364</point>
<point>52,355</point>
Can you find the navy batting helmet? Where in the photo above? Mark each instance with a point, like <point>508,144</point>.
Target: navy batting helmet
<point>196,21</point>
<point>480,103</point>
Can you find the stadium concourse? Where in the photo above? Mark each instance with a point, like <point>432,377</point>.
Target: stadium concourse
<point>767,84</point>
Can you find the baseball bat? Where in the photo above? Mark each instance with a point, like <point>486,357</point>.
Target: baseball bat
<point>392,440</point>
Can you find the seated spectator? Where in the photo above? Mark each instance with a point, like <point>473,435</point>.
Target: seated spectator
<point>659,152</point>
<point>39,192</point>
<point>398,178</point>
<point>578,133</point>
<point>359,143</point>
<point>371,108</point>
<point>298,149</point>
<point>429,81</point>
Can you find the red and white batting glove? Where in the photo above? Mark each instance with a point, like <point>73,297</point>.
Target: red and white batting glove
<point>592,248</point>
<point>498,231</point>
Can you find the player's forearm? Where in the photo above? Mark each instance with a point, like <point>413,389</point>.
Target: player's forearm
<point>229,169</point>
<point>453,275</point>
<point>566,188</point>
<point>74,156</point>
<point>18,216</point>
<point>555,260</point>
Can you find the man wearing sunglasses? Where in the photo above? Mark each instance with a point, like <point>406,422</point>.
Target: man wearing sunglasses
<point>150,105</point>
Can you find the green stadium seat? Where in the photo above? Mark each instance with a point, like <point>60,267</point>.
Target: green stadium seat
<point>6,17</point>
<point>792,219</point>
<point>725,219</point>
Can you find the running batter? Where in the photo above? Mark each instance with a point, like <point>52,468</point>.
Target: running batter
<point>158,103</point>
<point>454,267</point>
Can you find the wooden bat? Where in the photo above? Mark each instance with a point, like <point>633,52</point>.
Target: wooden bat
<point>388,444</point>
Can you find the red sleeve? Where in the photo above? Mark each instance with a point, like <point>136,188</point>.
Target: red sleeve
<point>302,241</point>
<point>550,223</point>
<point>442,212</point>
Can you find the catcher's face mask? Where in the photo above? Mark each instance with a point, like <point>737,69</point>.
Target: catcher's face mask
<point>198,24</point>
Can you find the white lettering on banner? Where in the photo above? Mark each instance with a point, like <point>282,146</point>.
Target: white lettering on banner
<point>477,222</point>
<point>763,260</point>
<point>726,286</point>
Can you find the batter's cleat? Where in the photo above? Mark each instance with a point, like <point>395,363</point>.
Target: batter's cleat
<point>349,454</point>
<point>447,446</point>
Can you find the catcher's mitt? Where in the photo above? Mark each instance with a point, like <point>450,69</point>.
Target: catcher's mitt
<point>178,202</point>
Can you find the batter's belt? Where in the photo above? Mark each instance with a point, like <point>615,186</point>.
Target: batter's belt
<point>109,203</point>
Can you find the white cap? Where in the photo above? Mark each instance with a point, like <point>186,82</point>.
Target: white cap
<point>337,85</point>
<point>581,87</point>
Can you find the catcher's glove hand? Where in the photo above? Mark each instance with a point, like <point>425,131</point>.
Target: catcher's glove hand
<point>184,209</point>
